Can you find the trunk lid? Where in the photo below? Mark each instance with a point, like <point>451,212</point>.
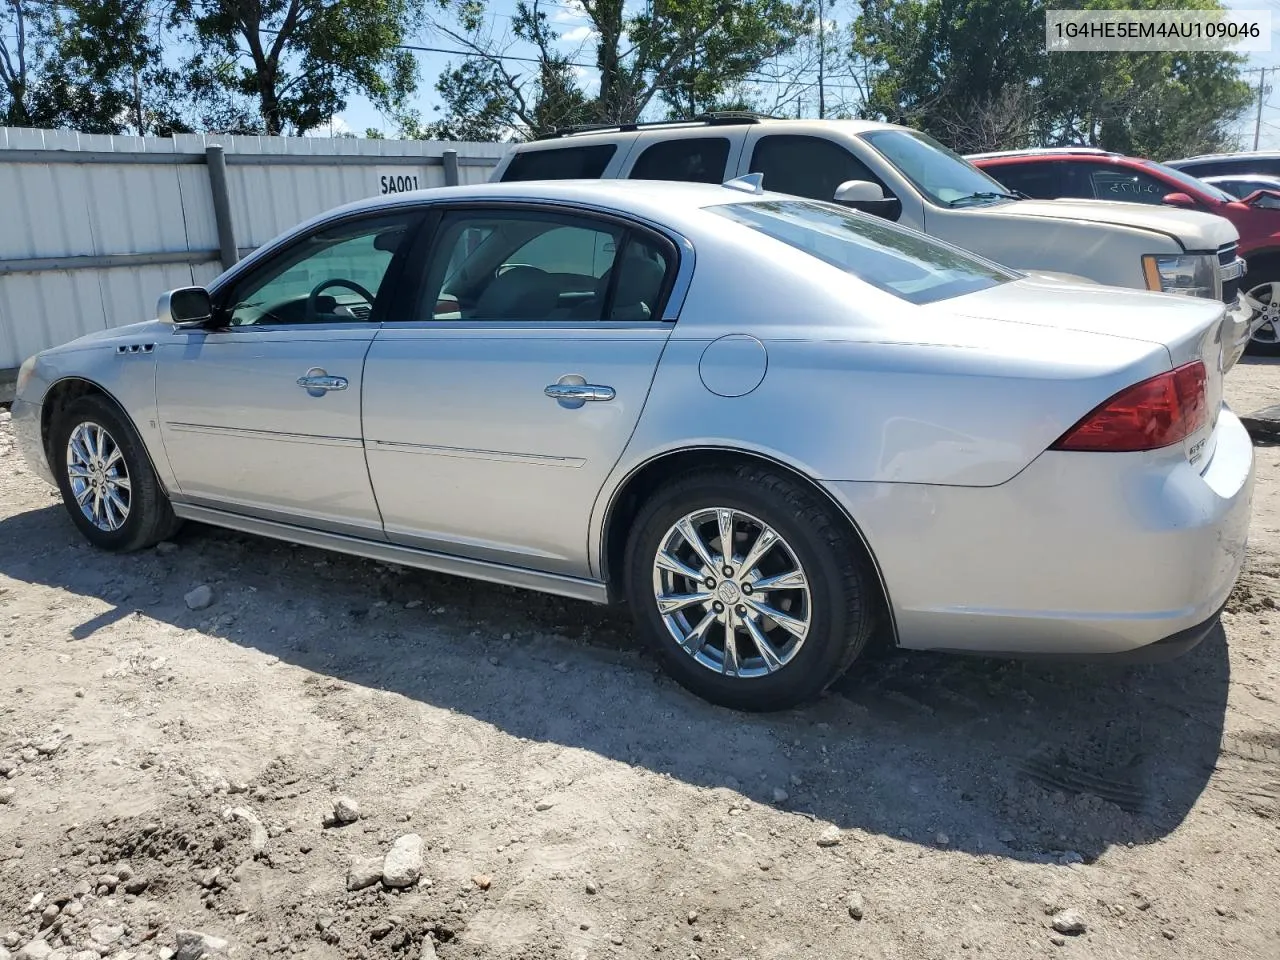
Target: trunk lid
<point>1188,328</point>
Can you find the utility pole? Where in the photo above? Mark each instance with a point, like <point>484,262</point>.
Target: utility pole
<point>822,61</point>
<point>1262,92</point>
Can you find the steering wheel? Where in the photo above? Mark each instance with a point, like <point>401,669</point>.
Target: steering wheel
<point>314,296</point>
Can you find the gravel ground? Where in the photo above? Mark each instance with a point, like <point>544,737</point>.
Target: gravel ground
<point>510,778</point>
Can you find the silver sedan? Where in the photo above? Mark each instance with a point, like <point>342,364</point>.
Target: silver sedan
<point>777,428</point>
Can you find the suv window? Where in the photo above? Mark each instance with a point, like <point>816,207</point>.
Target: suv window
<point>807,166</point>
<point>563,163</point>
<point>1108,182</point>
<point>1040,180</point>
<point>517,265</point>
<point>899,261</point>
<point>332,276</point>
<point>692,159</point>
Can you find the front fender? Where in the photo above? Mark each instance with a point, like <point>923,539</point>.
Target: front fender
<point>124,371</point>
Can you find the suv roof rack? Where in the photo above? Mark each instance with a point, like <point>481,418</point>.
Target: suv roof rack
<point>1042,151</point>
<point>718,118</point>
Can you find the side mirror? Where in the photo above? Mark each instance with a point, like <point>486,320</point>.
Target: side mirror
<point>1178,200</point>
<point>858,191</point>
<point>869,198</point>
<point>185,307</point>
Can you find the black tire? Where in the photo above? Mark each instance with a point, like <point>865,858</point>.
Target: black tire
<point>150,518</point>
<point>844,599</point>
<point>1269,344</point>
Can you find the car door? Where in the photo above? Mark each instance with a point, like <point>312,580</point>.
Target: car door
<point>493,417</point>
<point>1116,182</point>
<point>261,414</point>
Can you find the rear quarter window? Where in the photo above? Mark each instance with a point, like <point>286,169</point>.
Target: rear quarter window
<point>562,163</point>
<point>692,159</point>
<point>894,259</point>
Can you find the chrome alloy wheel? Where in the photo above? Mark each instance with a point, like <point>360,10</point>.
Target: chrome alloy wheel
<point>1266,300</point>
<point>731,592</point>
<point>98,476</point>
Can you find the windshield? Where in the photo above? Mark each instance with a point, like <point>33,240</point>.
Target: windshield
<point>941,174</point>
<point>1191,182</point>
<point>902,262</point>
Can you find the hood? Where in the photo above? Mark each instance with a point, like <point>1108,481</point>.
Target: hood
<point>145,330</point>
<point>1193,229</point>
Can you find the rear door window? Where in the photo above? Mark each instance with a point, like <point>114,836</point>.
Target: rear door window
<point>1123,183</point>
<point>807,166</point>
<point>562,163</point>
<point>692,159</point>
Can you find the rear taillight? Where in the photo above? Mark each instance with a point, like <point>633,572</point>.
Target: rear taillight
<point>1154,413</point>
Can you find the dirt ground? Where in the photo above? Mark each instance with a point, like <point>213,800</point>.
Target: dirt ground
<point>571,801</point>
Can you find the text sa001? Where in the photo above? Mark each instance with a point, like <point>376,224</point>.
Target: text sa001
<point>398,183</point>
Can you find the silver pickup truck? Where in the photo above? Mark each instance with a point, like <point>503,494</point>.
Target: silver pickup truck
<point>907,176</point>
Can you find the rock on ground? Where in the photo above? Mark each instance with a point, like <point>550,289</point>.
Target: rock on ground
<point>403,864</point>
<point>193,945</point>
<point>199,598</point>
<point>345,810</point>
<point>1069,922</point>
<point>364,872</point>
<point>35,950</point>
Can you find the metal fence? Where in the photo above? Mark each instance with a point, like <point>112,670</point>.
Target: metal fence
<point>93,228</point>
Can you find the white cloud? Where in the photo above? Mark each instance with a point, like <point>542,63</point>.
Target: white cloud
<point>333,128</point>
<point>577,34</point>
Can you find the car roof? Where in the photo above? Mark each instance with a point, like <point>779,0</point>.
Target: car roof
<point>660,201</point>
<point>1044,156</point>
<point>1043,152</point>
<point>1251,177</point>
<point>1244,155</point>
<point>683,128</point>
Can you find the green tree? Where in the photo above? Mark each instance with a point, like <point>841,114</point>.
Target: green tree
<point>1156,104</point>
<point>492,97</point>
<point>298,61</point>
<point>975,74</point>
<point>24,46</point>
<point>689,55</point>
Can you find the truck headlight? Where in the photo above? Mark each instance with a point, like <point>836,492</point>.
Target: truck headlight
<point>24,375</point>
<point>1189,274</point>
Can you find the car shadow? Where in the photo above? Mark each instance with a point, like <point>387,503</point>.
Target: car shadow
<point>1032,760</point>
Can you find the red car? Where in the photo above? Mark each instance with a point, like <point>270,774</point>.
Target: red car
<point>1091,174</point>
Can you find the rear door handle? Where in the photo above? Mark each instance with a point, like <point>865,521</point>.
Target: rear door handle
<point>580,392</point>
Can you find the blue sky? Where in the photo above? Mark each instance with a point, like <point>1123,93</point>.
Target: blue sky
<point>576,36</point>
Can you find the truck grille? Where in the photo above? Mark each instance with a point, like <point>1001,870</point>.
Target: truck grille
<point>1226,260</point>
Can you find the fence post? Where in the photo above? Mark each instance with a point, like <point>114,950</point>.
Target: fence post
<point>450,168</point>
<point>217,161</point>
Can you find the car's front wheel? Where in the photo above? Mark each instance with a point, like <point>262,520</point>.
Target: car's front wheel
<point>751,589</point>
<point>106,480</point>
<point>1266,338</point>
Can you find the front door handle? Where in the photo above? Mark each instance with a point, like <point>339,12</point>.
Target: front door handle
<point>579,392</point>
<point>317,382</point>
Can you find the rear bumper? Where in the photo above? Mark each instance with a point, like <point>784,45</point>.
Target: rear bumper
<point>26,428</point>
<point>1080,554</point>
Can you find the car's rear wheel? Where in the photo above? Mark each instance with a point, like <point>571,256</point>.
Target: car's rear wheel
<point>106,480</point>
<point>1266,339</point>
<point>751,589</point>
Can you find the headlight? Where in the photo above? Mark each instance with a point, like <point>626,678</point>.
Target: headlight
<point>24,375</point>
<point>1191,275</point>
